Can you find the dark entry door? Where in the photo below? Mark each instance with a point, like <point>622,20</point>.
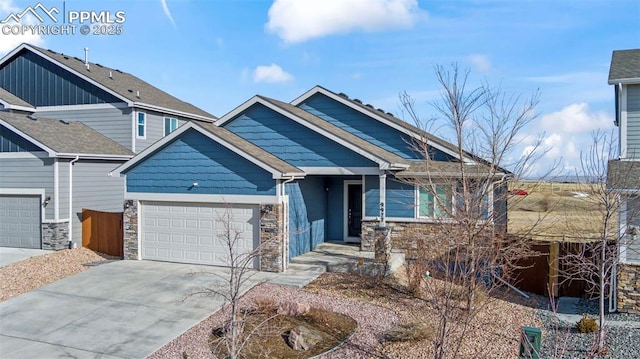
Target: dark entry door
<point>354,210</point>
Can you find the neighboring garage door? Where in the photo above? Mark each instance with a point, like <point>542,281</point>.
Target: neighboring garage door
<point>194,232</point>
<point>20,221</point>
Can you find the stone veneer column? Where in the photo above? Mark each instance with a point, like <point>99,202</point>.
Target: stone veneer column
<point>629,288</point>
<point>55,236</point>
<point>130,226</point>
<point>382,247</point>
<point>272,244</point>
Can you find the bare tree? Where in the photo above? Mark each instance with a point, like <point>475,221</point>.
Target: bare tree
<point>467,249</point>
<point>595,256</point>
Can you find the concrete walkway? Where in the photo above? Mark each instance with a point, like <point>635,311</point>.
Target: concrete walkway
<point>568,311</point>
<point>12,255</point>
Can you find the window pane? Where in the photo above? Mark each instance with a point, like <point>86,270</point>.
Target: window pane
<point>443,206</point>
<point>141,123</point>
<point>167,126</point>
<point>426,203</point>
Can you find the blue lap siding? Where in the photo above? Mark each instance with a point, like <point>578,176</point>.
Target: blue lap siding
<point>292,142</point>
<point>365,127</point>
<point>193,157</point>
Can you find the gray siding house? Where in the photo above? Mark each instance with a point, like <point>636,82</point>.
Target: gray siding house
<point>624,175</point>
<point>47,178</point>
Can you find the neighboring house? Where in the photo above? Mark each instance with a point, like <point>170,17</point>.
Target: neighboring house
<point>114,107</point>
<point>288,176</point>
<point>624,174</point>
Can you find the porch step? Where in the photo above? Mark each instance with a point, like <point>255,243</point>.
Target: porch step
<point>342,258</point>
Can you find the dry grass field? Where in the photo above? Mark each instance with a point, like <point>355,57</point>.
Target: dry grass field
<point>556,211</point>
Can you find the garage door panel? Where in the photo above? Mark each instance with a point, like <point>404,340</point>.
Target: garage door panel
<point>20,221</point>
<point>194,233</point>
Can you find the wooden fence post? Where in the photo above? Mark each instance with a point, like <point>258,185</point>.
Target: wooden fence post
<point>554,251</point>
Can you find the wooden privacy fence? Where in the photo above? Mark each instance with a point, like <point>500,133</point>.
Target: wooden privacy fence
<point>545,270</point>
<point>102,232</point>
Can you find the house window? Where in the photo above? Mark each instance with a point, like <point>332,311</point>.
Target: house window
<point>170,125</point>
<point>141,125</point>
<point>435,205</point>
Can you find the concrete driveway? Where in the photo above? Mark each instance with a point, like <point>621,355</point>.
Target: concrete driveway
<point>123,309</point>
<point>10,255</point>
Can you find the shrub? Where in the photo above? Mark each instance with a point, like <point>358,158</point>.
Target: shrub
<point>410,332</point>
<point>587,325</point>
<point>264,305</point>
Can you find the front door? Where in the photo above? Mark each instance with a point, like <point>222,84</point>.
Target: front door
<point>354,211</point>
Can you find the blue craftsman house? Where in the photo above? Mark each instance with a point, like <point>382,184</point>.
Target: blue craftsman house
<point>286,176</point>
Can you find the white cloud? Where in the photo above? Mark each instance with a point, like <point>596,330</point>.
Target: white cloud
<point>480,61</point>
<point>167,12</point>
<point>271,73</point>
<point>576,118</point>
<point>296,21</point>
<point>9,42</point>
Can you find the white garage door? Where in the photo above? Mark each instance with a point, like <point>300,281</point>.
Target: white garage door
<point>20,221</point>
<point>195,233</point>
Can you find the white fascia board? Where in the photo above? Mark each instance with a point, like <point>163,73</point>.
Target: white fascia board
<point>372,114</point>
<point>341,170</point>
<point>95,106</point>
<point>629,81</point>
<point>254,100</point>
<point>9,106</point>
<point>89,156</point>
<point>51,152</point>
<point>146,106</point>
<point>202,198</point>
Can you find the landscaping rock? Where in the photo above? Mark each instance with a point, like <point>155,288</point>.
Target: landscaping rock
<point>293,309</point>
<point>302,338</point>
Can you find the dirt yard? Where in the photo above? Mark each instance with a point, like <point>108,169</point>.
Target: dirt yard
<point>556,211</point>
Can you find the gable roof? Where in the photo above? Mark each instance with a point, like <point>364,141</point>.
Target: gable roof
<point>129,88</point>
<point>384,117</point>
<point>64,139</point>
<point>384,158</point>
<point>625,67</point>
<point>12,101</point>
<point>279,168</point>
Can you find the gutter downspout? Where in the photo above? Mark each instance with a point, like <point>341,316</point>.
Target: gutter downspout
<point>71,244</point>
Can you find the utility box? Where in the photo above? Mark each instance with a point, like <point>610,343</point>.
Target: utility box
<point>530,343</point>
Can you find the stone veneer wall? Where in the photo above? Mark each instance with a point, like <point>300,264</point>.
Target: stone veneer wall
<point>629,288</point>
<point>130,227</point>
<point>55,236</point>
<point>402,234</point>
<point>272,238</point>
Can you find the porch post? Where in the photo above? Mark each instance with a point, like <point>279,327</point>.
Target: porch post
<point>383,195</point>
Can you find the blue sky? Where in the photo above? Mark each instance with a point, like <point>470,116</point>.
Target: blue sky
<point>217,54</point>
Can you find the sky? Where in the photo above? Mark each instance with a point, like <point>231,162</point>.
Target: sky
<point>218,54</point>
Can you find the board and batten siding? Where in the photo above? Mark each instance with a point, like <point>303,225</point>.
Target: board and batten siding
<point>365,127</point>
<point>113,122</point>
<point>633,122</point>
<point>194,158</point>
<point>11,142</point>
<point>633,218</point>
<point>41,83</point>
<point>292,141</point>
<point>29,173</point>
<point>94,189</point>
<point>154,128</point>
<point>307,214</point>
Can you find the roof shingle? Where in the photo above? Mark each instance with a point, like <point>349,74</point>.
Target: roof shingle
<point>65,137</point>
<point>625,65</point>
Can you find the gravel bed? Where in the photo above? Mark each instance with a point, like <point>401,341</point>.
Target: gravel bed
<point>35,272</point>
<point>372,320</point>
<point>563,337</point>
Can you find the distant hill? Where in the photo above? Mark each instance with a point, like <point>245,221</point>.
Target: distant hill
<point>566,179</point>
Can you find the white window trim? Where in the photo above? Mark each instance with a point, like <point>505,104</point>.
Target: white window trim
<point>164,127</point>
<point>418,202</point>
<point>144,126</point>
